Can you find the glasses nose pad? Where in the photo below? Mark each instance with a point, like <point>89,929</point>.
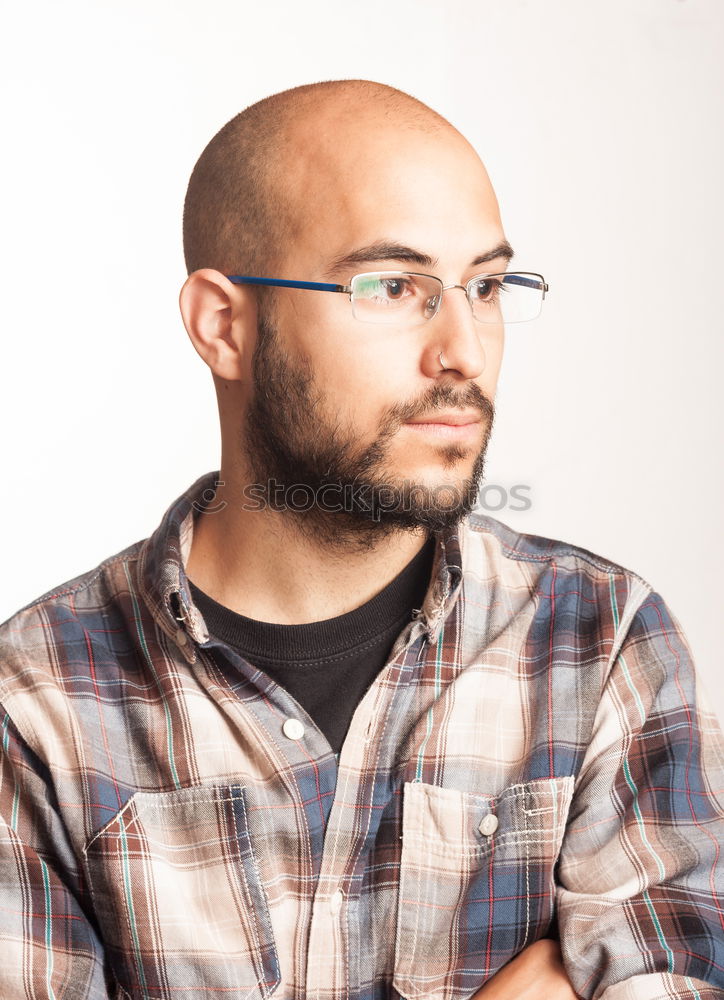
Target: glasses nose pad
<point>432,304</point>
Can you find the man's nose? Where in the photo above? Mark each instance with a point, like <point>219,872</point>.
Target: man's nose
<point>458,334</point>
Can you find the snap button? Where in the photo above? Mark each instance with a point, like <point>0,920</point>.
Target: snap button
<point>488,825</point>
<point>335,901</point>
<point>293,729</point>
<point>181,637</point>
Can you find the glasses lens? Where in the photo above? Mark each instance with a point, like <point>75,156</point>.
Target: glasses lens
<point>397,297</point>
<point>506,298</point>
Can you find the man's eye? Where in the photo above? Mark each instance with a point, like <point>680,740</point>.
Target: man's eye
<point>394,288</point>
<point>487,289</point>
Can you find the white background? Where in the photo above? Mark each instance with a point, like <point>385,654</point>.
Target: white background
<point>600,125</point>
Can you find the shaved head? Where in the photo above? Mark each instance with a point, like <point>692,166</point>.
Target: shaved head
<point>245,195</point>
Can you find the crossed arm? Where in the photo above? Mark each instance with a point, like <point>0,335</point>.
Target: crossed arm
<point>534,973</point>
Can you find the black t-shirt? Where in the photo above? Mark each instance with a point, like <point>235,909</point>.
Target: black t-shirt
<point>326,666</point>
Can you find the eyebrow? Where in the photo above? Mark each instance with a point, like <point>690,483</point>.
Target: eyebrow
<point>389,250</point>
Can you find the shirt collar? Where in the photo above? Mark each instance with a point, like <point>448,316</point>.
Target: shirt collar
<point>165,588</point>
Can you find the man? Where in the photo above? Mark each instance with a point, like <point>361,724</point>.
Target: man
<point>327,732</point>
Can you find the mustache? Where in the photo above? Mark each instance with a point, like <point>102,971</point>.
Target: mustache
<point>439,397</point>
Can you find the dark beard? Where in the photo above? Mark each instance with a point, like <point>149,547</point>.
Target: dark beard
<point>350,498</point>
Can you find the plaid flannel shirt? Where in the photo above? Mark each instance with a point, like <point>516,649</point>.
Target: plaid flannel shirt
<point>535,759</point>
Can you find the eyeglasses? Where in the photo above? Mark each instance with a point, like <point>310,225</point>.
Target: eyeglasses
<point>402,297</point>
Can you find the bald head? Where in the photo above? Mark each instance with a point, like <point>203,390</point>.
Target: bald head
<point>258,178</point>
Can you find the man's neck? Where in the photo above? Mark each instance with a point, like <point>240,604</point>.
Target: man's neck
<point>259,564</point>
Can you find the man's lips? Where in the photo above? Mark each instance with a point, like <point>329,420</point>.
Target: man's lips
<point>450,418</point>
<point>451,425</point>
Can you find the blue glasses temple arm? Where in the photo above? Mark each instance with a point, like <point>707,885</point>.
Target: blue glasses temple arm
<point>519,279</point>
<point>244,279</point>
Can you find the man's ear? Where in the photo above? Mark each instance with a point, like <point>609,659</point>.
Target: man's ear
<point>220,319</point>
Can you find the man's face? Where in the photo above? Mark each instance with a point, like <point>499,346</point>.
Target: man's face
<point>338,400</point>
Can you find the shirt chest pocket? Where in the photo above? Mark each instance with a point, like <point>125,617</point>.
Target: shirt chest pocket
<point>179,900</point>
<point>476,882</point>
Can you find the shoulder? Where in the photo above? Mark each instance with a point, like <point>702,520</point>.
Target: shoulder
<point>549,577</point>
<point>84,587</point>
<point>40,639</point>
<point>485,533</point>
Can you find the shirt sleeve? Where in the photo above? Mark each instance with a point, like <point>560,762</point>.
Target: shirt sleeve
<point>49,946</point>
<point>640,878</point>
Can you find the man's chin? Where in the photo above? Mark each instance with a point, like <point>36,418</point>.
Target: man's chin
<point>413,504</point>
<point>361,513</point>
